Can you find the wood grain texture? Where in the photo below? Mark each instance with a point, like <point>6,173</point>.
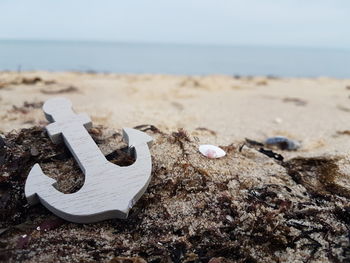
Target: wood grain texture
<point>109,191</point>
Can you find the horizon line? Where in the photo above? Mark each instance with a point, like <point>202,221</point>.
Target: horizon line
<point>133,42</point>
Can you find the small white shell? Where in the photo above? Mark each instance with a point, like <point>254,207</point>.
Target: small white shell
<point>211,151</point>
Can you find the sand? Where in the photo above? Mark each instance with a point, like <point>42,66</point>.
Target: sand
<point>312,111</point>
<point>245,207</point>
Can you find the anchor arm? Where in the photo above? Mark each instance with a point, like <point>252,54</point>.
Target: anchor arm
<point>36,183</point>
<point>140,143</point>
<point>134,137</point>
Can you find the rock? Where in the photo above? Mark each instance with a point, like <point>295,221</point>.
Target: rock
<point>34,151</point>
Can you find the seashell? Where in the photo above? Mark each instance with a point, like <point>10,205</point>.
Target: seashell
<point>211,151</point>
<point>283,143</point>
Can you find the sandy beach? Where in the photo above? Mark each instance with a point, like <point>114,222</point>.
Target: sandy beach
<point>245,207</point>
<point>315,112</point>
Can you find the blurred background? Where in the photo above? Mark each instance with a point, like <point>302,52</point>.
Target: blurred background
<point>290,38</point>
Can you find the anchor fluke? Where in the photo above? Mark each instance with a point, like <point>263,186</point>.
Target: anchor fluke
<point>135,137</point>
<point>35,183</point>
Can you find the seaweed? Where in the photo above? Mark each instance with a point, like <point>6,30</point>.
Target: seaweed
<point>147,127</point>
<point>253,143</point>
<point>325,170</point>
<point>180,137</point>
<point>271,154</point>
<point>295,101</point>
<point>26,107</point>
<point>24,81</point>
<point>259,147</point>
<point>207,130</point>
<point>69,89</point>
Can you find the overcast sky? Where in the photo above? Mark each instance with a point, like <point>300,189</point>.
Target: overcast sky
<point>315,23</point>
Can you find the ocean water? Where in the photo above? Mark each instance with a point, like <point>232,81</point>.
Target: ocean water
<point>173,59</point>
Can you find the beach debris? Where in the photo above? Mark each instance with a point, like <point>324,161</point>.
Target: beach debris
<point>34,151</point>
<point>181,135</point>
<point>253,143</point>
<point>229,148</point>
<point>206,129</point>
<point>278,120</point>
<point>343,108</point>
<point>262,82</point>
<point>321,176</point>
<point>271,154</point>
<point>259,146</point>
<point>3,85</point>
<point>282,143</point>
<point>34,105</point>
<point>49,82</point>
<point>211,151</point>
<point>241,147</point>
<point>147,127</point>
<point>68,89</point>
<point>345,132</point>
<point>26,107</point>
<point>31,81</point>
<point>25,81</point>
<point>296,101</point>
<point>190,82</point>
<point>177,105</point>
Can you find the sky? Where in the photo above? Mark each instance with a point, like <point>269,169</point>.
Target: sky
<point>309,23</point>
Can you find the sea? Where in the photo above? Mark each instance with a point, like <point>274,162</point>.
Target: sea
<point>179,59</point>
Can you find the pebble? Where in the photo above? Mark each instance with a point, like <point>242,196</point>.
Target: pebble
<point>229,218</point>
<point>34,151</point>
<point>278,120</point>
<point>283,143</point>
<point>6,174</point>
<point>211,151</point>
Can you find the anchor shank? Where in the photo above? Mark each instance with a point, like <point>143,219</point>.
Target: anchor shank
<point>83,148</point>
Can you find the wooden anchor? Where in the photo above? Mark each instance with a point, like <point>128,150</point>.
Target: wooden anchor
<point>109,190</point>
